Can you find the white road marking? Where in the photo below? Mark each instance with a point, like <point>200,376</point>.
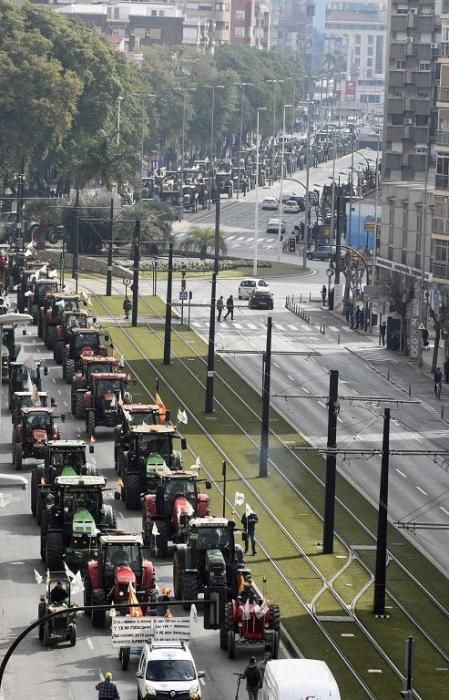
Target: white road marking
<point>240,238</point>
<point>251,326</point>
<point>446,512</point>
<point>289,376</point>
<point>236,245</point>
<point>292,327</point>
<point>238,325</point>
<point>275,364</point>
<point>279,327</point>
<point>422,491</point>
<point>202,681</point>
<point>229,238</point>
<point>339,419</point>
<point>306,390</point>
<point>65,403</point>
<point>321,404</point>
<point>59,392</point>
<point>334,329</point>
<point>53,380</point>
<point>401,473</point>
<point>90,643</point>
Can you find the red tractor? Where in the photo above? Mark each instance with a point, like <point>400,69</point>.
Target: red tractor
<point>82,341</point>
<point>39,289</point>
<point>249,620</point>
<point>32,433</point>
<point>82,381</point>
<point>70,319</point>
<point>120,566</point>
<point>171,508</point>
<point>102,401</point>
<point>51,312</point>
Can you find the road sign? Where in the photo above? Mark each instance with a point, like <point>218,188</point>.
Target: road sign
<point>126,282</point>
<point>183,295</point>
<point>136,631</point>
<point>421,327</point>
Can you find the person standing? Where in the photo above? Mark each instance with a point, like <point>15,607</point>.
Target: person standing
<point>357,318</point>
<point>253,679</point>
<point>249,521</point>
<point>229,308</point>
<point>107,690</point>
<point>127,308</point>
<point>382,331</point>
<point>323,294</point>
<point>220,307</point>
<point>263,665</point>
<point>446,370</point>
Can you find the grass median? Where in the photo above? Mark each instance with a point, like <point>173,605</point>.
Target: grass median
<point>297,518</point>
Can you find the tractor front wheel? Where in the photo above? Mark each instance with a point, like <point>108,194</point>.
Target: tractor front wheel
<point>275,615</point>
<point>79,406</point>
<point>35,479</point>
<point>46,634</point>
<point>98,616</point>
<point>132,491</point>
<point>72,634</point>
<point>231,644</point>
<point>190,588</point>
<point>41,612</point>
<point>54,551</point>
<point>228,625</point>
<point>69,370</point>
<point>275,644</point>
<point>88,596</point>
<point>50,339</point>
<point>90,424</point>
<point>124,654</point>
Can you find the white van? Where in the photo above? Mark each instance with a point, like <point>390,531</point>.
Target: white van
<point>298,679</point>
<point>167,669</point>
<point>251,284</point>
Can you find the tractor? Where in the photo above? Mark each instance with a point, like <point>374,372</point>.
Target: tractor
<point>101,401</point>
<point>82,381</point>
<point>9,350</point>
<point>39,289</point>
<point>18,378</point>
<point>131,415</point>
<point>208,561</point>
<point>249,620</point>
<point>73,515</point>
<point>25,399</point>
<point>62,458</point>
<point>61,628</point>
<point>51,312</point>
<point>81,341</point>
<point>171,508</point>
<point>34,429</point>
<point>120,569</point>
<point>143,455</point>
<point>70,319</point>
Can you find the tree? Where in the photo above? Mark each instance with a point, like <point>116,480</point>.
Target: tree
<point>399,290</point>
<point>201,239</point>
<point>440,318</point>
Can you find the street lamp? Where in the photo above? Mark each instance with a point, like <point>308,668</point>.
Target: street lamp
<point>256,210</point>
<point>376,201</point>
<point>274,82</point>
<point>242,86</point>
<point>309,105</point>
<point>184,92</point>
<point>212,114</point>
<point>143,96</point>
<point>281,206</point>
<point>119,109</point>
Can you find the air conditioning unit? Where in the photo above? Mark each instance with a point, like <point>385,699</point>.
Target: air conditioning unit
<point>434,45</point>
<point>409,40</point>
<point>409,122</point>
<point>413,11</point>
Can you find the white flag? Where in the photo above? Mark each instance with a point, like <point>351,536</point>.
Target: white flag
<point>69,573</point>
<point>38,577</point>
<point>248,510</point>
<point>29,384</point>
<point>182,416</point>
<point>262,610</point>
<point>155,531</point>
<point>239,498</point>
<point>121,362</point>
<point>113,401</point>
<point>246,615</point>
<point>193,613</point>
<point>112,611</point>
<point>77,585</point>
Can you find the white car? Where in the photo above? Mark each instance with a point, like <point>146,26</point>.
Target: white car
<point>286,197</point>
<point>291,207</point>
<point>270,203</point>
<point>249,285</point>
<point>167,669</point>
<point>273,226</point>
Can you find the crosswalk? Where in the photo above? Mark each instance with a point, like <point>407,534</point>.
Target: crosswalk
<point>242,325</point>
<point>375,355</point>
<point>236,241</point>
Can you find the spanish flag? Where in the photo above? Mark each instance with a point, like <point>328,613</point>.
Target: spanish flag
<point>162,408</point>
<point>132,600</point>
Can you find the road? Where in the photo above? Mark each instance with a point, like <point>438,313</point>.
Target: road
<point>237,216</point>
<point>65,672</point>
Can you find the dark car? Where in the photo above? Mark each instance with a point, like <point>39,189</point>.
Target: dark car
<point>261,299</point>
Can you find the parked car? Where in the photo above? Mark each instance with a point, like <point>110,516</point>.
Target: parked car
<point>247,286</point>
<point>261,299</point>
<point>291,207</point>
<point>270,203</point>
<point>324,252</point>
<point>273,226</point>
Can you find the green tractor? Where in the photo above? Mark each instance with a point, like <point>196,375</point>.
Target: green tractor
<point>74,514</point>
<point>62,458</point>
<point>9,350</point>
<point>208,561</point>
<point>61,628</point>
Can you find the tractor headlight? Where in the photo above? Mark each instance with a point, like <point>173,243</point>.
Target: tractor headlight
<point>194,693</point>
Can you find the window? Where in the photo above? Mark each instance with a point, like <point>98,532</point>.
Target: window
<point>423,65</point>
<point>116,13</point>
<point>155,33</point>
<point>442,176</point>
<point>369,73</point>
<point>370,51</point>
<point>220,7</point>
<point>358,39</point>
<point>239,32</point>
<point>357,50</point>
<point>421,119</point>
<point>369,62</point>
<point>404,225</point>
<point>399,65</point>
<point>240,15</point>
<point>370,40</point>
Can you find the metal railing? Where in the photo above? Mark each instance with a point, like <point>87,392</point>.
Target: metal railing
<point>442,138</point>
<point>443,94</point>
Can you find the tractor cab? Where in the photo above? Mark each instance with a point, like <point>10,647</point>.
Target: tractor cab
<point>35,427</point>
<point>135,414</point>
<point>155,441</point>
<point>61,628</point>
<point>108,389</point>
<point>51,313</point>
<point>177,489</point>
<point>82,341</point>
<point>82,381</point>
<point>118,552</point>
<point>39,289</point>
<point>26,399</point>
<point>69,320</point>
<point>18,378</point>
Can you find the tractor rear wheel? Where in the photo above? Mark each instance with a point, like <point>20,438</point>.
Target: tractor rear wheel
<point>58,351</point>
<point>231,644</point>
<point>177,578</point>
<point>90,424</point>
<point>88,595</point>
<point>98,616</point>
<point>79,406</point>
<point>38,509</point>
<point>18,457</point>
<point>275,644</point>
<point>50,339</point>
<point>190,588</point>
<point>54,551</point>
<point>69,370</point>
<point>124,654</point>
<point>275,615</point>
<point>44,526</point>
<point>72,634</point>
<point>132,491</point>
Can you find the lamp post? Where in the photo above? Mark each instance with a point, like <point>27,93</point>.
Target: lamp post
<point>274,82</point>
<point>256,210</point>
<point>281,206</point>
<point>119,110</point>
<point>142,139</point>
<point>376,201</point>
<point>309,105</point>
<point>242,94</point>
<point>184,92</point>
<point>212,115</point>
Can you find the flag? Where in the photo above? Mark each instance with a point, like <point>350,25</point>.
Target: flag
<point>30,386</point>
<point>132,600</point>
<point>112,611</point>
<point>77,585</point>
<point>113,401</point>
<point>262,610</point>
<point>38,577</point>
<point>246,614</point>
<point>162,408</point>
<point>155,531</point>
<point>47,576</point>
<point>121,362</point>
<point>36,399</point>
<point>248,510</point>
<point>240,583</point>
<point>193,613</point>
<point>239,498</point>
<point>69,573</point>
<point>182,416</point>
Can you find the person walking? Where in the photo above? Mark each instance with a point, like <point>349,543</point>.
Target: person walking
<point>446,370</point>
<point>357,318</point>
<point>229,308</point>
<point>253,679</point>
<point>127,308</point>
<point>220,307</point>
<point>249,521</point>
<point>323,294</point>
<point>263,665</point>
<point>382,331</point>
<point>107,690</point>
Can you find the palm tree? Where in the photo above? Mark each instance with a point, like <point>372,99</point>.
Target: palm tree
<point>200,239</point>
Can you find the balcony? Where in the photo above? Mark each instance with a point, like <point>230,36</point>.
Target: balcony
<point>397,78</point>
<point>443,94</point>
<point>421,79</point>
<point>444,49</point>
<point>442,138</point>
<point>442,182</point>
<point>395,105</point>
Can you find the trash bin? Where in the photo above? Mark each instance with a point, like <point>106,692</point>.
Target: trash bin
<point>331,299</point>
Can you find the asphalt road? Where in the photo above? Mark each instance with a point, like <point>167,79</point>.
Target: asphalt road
<point>237,216</point>
<point>65,672</point>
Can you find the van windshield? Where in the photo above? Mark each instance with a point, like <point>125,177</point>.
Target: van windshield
<point>170,670</point>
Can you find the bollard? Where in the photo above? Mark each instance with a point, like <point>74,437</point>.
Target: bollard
<point>338,339</point>
<point>308,318</point>
<point>324,329</point>
<point>409,389</point>
<point>442,411</point>
<point>388,375</point>
<point>300,298</point>
<point>310,296</point>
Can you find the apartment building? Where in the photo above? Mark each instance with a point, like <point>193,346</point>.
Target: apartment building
<point>292,25</point>
<point>355,32</point>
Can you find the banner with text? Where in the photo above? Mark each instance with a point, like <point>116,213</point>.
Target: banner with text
<point>136,631</point>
